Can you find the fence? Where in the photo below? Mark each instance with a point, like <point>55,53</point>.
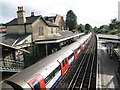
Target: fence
<point>11,65</point>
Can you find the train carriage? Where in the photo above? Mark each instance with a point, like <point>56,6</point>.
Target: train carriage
<point>48,71</point>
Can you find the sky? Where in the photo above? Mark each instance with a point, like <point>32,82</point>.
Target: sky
<point>93,12</point>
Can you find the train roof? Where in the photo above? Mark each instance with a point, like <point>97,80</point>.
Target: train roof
<point>43,64</point>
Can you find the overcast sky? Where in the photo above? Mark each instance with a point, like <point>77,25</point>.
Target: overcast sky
<point>94,12</point>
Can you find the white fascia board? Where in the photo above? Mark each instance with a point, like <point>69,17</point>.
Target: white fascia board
<point>56,41</point>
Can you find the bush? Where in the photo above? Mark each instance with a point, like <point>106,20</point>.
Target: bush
<point>114,32</point>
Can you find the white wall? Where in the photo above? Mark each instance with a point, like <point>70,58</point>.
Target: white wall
<point>119,10</point>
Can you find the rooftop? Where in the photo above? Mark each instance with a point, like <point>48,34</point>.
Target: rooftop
<point>11,39</point>
<point>108,36</point>
<point>62,36</point>
<point>30,20</point>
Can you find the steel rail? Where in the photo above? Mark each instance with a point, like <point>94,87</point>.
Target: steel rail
<point>92,70</point>
<point>86,69</point>
<point>87,75</point>
<point>78,69</point>
<point>62,80</point>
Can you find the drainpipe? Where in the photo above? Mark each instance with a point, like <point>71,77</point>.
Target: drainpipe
<point>25,28</point>
<point>46,48</point>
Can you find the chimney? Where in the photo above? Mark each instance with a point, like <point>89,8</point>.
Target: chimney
<point>32,14</point>
<point>21,15</point>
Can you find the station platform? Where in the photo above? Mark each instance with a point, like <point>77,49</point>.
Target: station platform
<point>107,67</point>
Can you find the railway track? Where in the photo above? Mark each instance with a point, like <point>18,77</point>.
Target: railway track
<point>82,75</point>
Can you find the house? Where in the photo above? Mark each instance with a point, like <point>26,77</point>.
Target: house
<point>34,25</point>
<point>36,35</point>
<point>56,20</point>
<point>23,31</point>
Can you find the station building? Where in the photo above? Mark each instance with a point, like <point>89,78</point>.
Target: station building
<point>30,39</point>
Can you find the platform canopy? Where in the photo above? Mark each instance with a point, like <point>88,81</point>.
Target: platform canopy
<point>58,39</point>
<point>109,38</point>
<point>14,47</point>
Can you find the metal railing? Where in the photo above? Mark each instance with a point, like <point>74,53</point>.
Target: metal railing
<point>11,65</point>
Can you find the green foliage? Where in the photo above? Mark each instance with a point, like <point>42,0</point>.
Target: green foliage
<point>86,31</point>
<point>80,28</point>
<point>95,29</point>
<point>103,29</point>
<point>114,31</point>
<point>71,20</point>
<point>114,24</point>
<point>112,28</point>
<point>88,27</point>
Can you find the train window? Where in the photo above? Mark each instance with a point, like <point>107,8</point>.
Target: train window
<point>36,85</point>
<point>52,75</point>
<point>70,56</point>
<point>66,61</point>
<point>63,62</point>
<point>57,70</point>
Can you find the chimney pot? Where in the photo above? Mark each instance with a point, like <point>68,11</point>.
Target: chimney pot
<point>32,14</point>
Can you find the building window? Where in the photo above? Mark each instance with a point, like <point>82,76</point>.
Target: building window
<point>41,31</point>
<point>51,30</point>
<point>56,30</point>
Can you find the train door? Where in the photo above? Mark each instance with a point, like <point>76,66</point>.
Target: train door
<point>37,83</point>
<point>75,54</point>
<point>83,45</point>
<point>71,59</point>
<point>81,48</point>
<point>64,66</point>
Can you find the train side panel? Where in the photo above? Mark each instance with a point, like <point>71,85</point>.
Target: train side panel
<point>75,53</point>
<point>64,65</point>
<point>37,83</point>
<point>53,81</point>
<point>71,59</point>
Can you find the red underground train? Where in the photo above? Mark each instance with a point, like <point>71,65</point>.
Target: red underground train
<point>47,72</point>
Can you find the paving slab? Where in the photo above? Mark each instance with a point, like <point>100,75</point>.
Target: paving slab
<point>107,67</point>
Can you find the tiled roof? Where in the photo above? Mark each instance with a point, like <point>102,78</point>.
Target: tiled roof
<point>50,18</point>
<point>10,39</point>
<point>30,20</point>
<point>51,24</point>
<point>66,33</point>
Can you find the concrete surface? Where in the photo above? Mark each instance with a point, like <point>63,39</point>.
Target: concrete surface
<point>106,78</point>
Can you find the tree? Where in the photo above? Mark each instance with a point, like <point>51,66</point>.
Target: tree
<point>95,29</point>
<point>88,27</point>
<point>71,20</point>
<point>113,24</point>
<point>80,28</point>
<point>104,28</point>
